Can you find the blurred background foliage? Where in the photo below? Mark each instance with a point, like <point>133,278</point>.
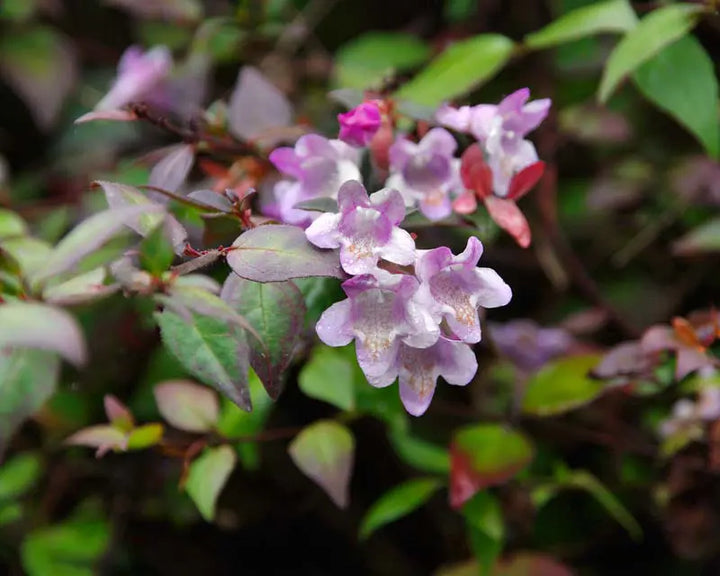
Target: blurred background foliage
<point>626,234</point>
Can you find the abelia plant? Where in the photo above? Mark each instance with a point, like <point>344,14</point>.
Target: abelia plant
<point>265,251</point>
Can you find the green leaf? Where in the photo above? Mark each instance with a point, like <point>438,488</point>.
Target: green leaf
<point>462,66</point>
<point>30,253</point>
<point>484,455</point>
<point>187,406</point>
<point>213,351</point>
<point>18,475</point>
<point>11,224</point>
<point>328,376</point>
<point>17,10</point>
<point>235,423</point>
<point>156,251</point>
<point>655,31</point>
<point>596,18</point>
<point>681,81</point>
<point>398,502</point>
<point>276,311</point>
<point>324,452</point>
<point>484,521</point>
<point>583,480</point>
<point>420,454</point>
<point>704,238</point>
<point>144,436</point>
<point>366,60</point>
<point>207,476</point>
<point>31,325</point>
<point>72,548</point>
<point>562,385</point>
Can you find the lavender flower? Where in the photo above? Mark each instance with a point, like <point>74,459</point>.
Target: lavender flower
<point>379,314</point>
<point>318,166</point>
<point>418,371</point>
<point>528,345</point>
<point>141,76</point>
<point>426,172</point>
<point>453,288</point>
<point>365,230</point>
<point>359,125</point>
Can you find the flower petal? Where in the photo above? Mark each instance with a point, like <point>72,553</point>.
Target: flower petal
<point>494,292</point>
<point>455,118</point>
<point>390,203</point>
<point>334,327</point>
<point>352,195</point>
<point>508,216</point>
<point>323,232</point>
<point>400,249</point>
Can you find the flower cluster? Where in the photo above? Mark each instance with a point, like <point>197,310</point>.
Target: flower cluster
<point>427,167</point>
<point>412,313</point>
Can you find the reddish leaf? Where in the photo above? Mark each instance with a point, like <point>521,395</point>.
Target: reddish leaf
<point>508,216</point>
<point>484,455</point>
<point>475,173</point>
<point>466,203</point>
<point>524,180</point>
<point>118,414</point>
<point>113,115</point>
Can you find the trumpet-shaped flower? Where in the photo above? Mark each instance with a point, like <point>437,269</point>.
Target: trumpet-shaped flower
<point>453,288</point>
<point>365,230</point>
<point>426,172</point>
<point>418,370</point>
<point>379,314</point>
<point>318,167</point>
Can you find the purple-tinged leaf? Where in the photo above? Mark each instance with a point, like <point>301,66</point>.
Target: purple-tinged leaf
<point>205,303</point>
<point>207,476</point>
<point>80,289</point>
<point>198,281</point>
<point>89,236</point>
<point>103,437</point>
<point>112,115</point>
<point>279,253</point>
<point>122,195</point>
<point>187,406</point>
<point>212,350</point>
<point>31,325</point>
<point>324,452</point>
<point>277,313</point>
<point>318,205</point>
<point>40,65</point>
<point>702,239</point>
<point>170,173</point>
<point>257,106</point>
<point>530,564</point>
<point>27,379</point>
<point>118,414</point>
<point>212,199</point>
<point>171,10</point>
<point>485,455</point>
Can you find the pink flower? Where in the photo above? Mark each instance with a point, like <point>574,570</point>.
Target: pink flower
<point>141,76</point>
<point>359,125</point>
